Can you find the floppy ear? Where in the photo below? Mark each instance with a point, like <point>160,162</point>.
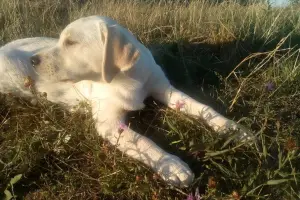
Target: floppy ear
<point>119,52</point>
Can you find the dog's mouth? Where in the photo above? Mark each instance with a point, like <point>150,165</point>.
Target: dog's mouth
<point>67,81</point>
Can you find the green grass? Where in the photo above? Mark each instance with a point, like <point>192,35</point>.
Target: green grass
<point>223,55</point>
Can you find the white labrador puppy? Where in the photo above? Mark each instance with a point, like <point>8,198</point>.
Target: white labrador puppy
<point>97,59</point>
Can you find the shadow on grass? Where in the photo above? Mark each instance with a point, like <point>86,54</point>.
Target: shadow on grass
<point>198,68</point>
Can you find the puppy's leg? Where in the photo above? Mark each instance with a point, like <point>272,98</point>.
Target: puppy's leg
<point>178,100</point>
<point>110,125</point>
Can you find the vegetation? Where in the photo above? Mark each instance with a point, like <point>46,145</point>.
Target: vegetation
<point>242,60</point>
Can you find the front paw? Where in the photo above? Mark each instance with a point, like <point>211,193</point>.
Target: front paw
<point>174,171</point>
<point>243,134</point>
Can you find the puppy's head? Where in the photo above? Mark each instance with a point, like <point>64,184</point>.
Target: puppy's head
<point>92,48</point>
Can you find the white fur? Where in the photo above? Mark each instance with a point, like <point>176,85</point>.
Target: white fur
<point>69,73</point>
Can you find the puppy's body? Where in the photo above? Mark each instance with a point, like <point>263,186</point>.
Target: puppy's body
<point>98,60</point>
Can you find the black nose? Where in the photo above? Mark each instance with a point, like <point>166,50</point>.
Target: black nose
<point>35,60</point>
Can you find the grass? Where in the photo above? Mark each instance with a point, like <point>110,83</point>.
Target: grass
<point>242,60</point>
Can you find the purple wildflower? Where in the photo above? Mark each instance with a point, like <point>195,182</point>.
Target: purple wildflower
<point>190,197</point>
<point>196,196</point>
<point>179,104</point>
<point>122,127</point>
<point>270,86</point>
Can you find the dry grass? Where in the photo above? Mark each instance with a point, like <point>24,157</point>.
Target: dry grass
<point>197,46</point>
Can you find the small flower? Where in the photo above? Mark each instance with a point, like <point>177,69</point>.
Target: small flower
<point>190,197</point>
<point>212,182</point>
<point>138,178</point>
<point>154,196</point>
<point>122,127</point>
<point>290,144</point>
<point>179,104</point>
<point>270,86</point>
<point>28,82</point>
<point>196,196</point>
<point>236,195</point>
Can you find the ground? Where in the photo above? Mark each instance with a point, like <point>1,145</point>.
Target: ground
<point>241,60</point>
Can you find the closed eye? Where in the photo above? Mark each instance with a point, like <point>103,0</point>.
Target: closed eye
<point>69,42</point>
